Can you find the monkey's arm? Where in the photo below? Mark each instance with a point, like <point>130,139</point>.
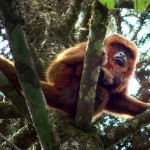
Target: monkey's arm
<point>123,104</point>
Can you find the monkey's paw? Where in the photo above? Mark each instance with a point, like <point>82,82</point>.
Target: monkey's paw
<point>105,78</point>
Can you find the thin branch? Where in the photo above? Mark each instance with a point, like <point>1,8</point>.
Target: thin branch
<point>70,18</point>
<point>84,26</point>
<point>24,137</point>
<point>9,143</point>
<point>73,11</point>
<point>126,129</point>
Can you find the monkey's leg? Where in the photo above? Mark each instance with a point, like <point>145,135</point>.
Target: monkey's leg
<point>7,67</point>
<point>62,100</point>
<point>124,104</point>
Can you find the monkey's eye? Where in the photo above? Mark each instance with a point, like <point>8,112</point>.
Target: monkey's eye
<point>119,47</point>
<point>128,52</point>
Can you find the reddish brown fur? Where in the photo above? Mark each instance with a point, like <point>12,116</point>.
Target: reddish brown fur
<point>63,80</point>
<point>7,67</point>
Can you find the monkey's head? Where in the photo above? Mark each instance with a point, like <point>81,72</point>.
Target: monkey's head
<point>122,55</point>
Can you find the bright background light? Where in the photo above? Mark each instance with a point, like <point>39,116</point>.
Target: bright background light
<point>133,86</point>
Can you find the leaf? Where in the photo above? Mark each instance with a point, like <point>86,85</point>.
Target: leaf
<point>110,4</point>
<point>141,5</point>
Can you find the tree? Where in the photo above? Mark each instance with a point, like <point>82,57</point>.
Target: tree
<point>64,23</point>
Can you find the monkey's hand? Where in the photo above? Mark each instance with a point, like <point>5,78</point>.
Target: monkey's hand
<point>105,78</point>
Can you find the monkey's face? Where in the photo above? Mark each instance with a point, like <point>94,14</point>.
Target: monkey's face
<point>120,60</point>
<point>121,55</point>
<point>120,64</point>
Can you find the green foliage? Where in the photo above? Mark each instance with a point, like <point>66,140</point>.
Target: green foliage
<point>108,3</point>
<point>141,5</point>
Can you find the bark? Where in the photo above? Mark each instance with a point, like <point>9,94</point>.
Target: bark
<point>126,129</point>
<point>91,67</point>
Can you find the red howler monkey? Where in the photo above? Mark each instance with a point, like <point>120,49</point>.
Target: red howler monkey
<point>61,87</point>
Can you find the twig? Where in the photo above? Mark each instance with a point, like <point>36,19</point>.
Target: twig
<point>9,143</point>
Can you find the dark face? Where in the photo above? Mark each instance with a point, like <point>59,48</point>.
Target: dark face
<point>122,54</point>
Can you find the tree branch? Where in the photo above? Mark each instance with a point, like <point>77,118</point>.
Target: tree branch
<point>92,66</point>
<point>70,17</point>
<point>9,143</point>
<point>25,137</point>
<point>27,75</point>
<point>126,129</point>
<point>84,27</point>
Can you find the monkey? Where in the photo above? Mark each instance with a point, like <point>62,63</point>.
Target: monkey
<point>62,84</point>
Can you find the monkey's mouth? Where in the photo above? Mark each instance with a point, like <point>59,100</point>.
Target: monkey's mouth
<point>120,61</point>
